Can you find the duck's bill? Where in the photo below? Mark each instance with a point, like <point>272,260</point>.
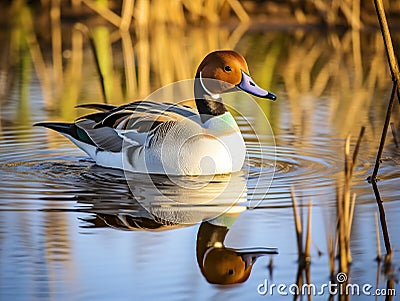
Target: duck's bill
<point>256,251</point>
<point>248,85</point>
<point>250,255</point>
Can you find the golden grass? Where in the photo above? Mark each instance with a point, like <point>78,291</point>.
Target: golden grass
<point>157,52</point>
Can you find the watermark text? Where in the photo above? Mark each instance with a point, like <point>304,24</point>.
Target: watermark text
<point>339,287</point>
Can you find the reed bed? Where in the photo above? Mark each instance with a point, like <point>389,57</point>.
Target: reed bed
<point>147,44</point>
<point>350,13</point>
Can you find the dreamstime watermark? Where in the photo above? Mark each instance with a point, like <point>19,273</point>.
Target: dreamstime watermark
<point>339,287</point>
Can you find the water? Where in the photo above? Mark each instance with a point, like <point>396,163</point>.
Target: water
<point>70,230</point>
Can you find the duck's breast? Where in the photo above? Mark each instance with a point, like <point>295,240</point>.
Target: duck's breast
<point>190,148</point>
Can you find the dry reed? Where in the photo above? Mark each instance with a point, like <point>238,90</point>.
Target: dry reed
<point>394,69</point>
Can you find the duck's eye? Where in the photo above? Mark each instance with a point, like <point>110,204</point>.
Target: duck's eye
<point>228,68</point>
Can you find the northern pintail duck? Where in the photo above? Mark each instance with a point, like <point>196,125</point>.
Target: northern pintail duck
<point>167,138</point>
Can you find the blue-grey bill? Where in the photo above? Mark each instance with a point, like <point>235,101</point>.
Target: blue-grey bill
<point>248,85</point>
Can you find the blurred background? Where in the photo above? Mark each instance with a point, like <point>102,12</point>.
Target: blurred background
<point>120,51</point>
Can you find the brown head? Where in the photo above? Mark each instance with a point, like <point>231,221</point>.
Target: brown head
<point>220,72</point>
<point>230,71</point>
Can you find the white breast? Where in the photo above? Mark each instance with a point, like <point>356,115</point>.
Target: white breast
<point>190,148</point>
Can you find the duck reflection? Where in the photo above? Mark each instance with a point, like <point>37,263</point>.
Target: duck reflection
<point>218,263</point>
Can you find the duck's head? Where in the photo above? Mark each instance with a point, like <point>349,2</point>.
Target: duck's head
<point>225,71</point>
<point>223,265</point>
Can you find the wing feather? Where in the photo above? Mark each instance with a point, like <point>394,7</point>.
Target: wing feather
<point>105,138</point>
<point>143,116</point>
<point>136,120</point>
<point>96,117</point>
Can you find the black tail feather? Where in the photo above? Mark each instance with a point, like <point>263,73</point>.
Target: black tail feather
<point>69,129</point>
<point>97,106</point>
<point>61,127</point>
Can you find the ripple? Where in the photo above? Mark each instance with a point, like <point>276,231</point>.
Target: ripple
<point>33,173</point>
<point>310,165</point>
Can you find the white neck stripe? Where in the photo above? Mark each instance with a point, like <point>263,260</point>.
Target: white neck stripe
<point>213,96</point>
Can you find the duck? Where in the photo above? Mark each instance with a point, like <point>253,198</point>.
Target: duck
<point>171,138</point>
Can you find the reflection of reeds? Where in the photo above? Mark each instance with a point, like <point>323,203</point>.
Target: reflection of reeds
<point>345,205</point>
<point>339,244</point>
<point>297,223</point>
<point>331,253</point>
<point>304,253</point>
<point>395,135</point>
<point>303,282</point>
<point>338,72</point>
<point>25,21</point>
<point>378,239</point>
<point>156,52</point>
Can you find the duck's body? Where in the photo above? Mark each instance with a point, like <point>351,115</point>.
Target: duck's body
<point>166,138</point>
<point>180,145</point>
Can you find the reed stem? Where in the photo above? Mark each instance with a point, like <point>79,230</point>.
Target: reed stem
<point>394,69</point>
<point>375,172</point>
<point>103,11</point>
<point>382,218</point>
<point>126,15</point>
<point>384,133</point>
<point>387,39</point>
